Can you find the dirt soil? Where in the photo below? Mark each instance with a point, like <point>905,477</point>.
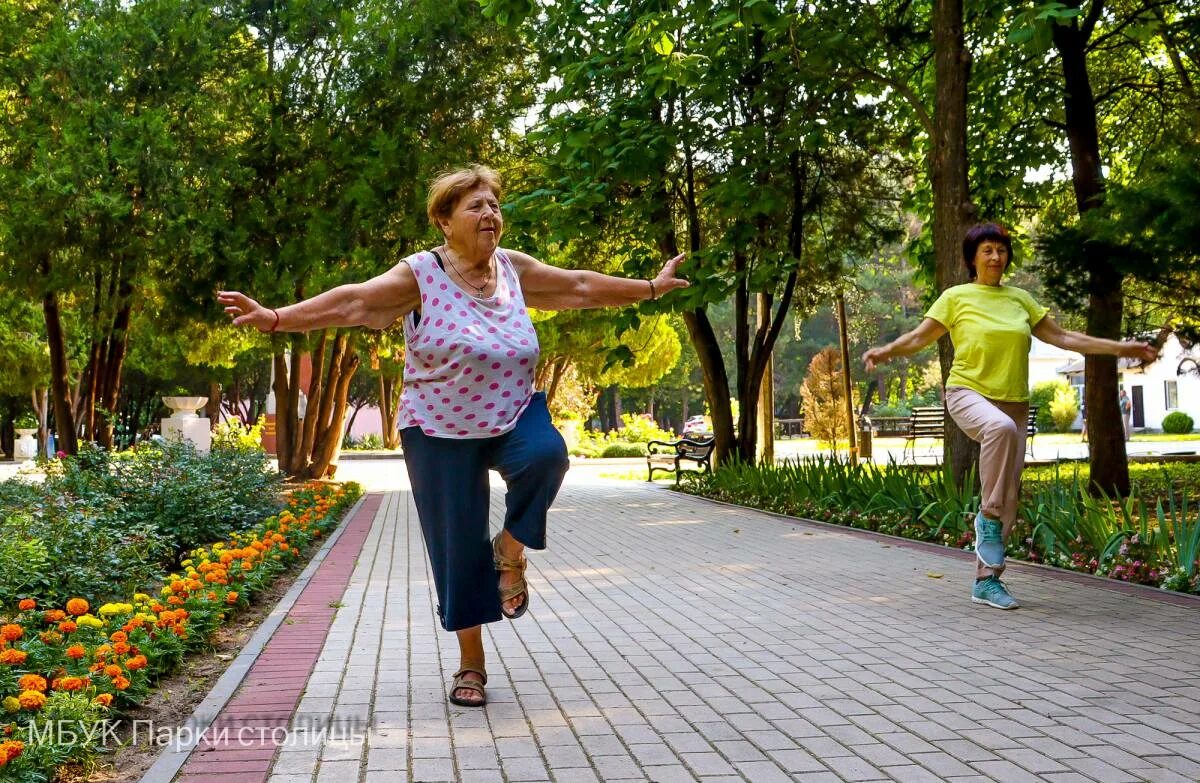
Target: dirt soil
<point>176,696</point>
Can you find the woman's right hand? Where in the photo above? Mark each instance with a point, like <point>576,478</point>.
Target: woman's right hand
<point>875,357</point>
<point>247,312</point>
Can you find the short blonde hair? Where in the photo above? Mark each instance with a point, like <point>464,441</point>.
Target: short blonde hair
<point>450,186</point>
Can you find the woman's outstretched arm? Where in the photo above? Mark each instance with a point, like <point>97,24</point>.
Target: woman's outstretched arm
<point>1049,331</point>
<point>375,303</point>
<point>548,287</point>
<point>927,332</point>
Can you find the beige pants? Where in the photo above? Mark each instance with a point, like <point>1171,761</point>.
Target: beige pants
<point>999,428</point>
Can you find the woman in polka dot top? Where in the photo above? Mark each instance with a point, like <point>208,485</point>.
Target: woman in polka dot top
<point>468,403</point>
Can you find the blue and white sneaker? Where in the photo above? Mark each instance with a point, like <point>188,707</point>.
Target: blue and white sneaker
<point>991,591</point>
<point>989,541</point>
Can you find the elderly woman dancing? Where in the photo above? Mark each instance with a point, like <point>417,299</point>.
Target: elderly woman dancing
<point>987,392</point>
<point>468,403</point>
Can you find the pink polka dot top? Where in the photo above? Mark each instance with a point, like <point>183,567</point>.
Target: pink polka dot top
<point>469,363</point>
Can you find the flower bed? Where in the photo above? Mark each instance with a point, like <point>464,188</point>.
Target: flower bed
<point>75,666</point>
<point>1152,537</point>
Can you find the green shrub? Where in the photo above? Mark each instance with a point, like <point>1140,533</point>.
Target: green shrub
<point>638,429</point>
<point>368,442</point>
<point>26,421</point>
<point>1064,408</point>
<point>232,433</point>
<point>100,523</point>
<point>1177,423</point>
<point>620,449</point>
<point>1042,395</point>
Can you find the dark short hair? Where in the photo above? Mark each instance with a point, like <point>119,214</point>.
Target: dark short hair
<point>977,235</point>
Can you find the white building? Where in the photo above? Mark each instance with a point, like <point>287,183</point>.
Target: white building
<point>1172,383</point>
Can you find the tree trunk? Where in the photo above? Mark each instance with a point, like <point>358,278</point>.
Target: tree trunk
<point>316,395</point>
<point>342,365</point>
<point>953,210</point>
<point>113,363</point>
<point>1106,301</point>
<point>284,414</point>
<point>389,410</point>
<point>64,420</point>
<point>847,385</point>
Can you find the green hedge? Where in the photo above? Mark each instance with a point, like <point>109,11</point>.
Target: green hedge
<point>1177,423</point>
<point>101,524</point>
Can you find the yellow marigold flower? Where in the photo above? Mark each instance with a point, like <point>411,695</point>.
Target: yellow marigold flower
<point>89,621</point>
<point>77,606</point>
<point>11,704</point>
<point>141,598</point>
<point>166,590</point>
<point>32,700</point>
<point>187,562</point>
<point>147,618</point>
<point>108,610</point>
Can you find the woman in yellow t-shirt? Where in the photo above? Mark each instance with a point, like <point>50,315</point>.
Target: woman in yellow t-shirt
<point>987,392</point>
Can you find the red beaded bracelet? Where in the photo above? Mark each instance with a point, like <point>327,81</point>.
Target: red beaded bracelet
<point>276,324</point>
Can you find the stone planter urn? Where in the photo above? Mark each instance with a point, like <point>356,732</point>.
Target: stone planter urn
<point>184,425</point>
<point>25,446</point>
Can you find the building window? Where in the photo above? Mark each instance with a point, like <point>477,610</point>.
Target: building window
<point>1171,391</point>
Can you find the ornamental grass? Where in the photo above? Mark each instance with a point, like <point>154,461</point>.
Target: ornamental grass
<point>84,664</point>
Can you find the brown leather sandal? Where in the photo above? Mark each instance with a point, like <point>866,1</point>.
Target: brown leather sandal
<point>461,682</point>
<point>512,591</point>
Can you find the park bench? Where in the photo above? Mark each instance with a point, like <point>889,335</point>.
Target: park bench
<point>930,422</point>
<point>667,456</point>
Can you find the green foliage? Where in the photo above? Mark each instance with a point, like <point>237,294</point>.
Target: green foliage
<point>233,435</point>
<point>26,421</point>
<point>640,429</point>
<point>100,526</point>
<point>1042,395</point>
<point>622,449</point>
<point>369,442</point>
<point>1177,423</point>
<point>1064,408</point>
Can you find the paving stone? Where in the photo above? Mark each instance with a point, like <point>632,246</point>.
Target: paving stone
<point>662,646</point>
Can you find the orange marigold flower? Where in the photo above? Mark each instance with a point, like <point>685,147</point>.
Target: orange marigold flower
<point>179,631</point>
<point>119,636</point>
<point>121,648</point>
<point>27,604</point>
<point>32,682</point>
<point>156,608</point>
<point>247,565</point>
<point>113,671</point>
<point>50,637</point>
<point>175,601</point>
<point>136,662</point>
<point>70,684</point>
<point>211,595</point>
<point>231,597</point>
<point>101,652</point>
<point>32,700</point>
<point>11,632</point>
<point>76,651</point>
<point>10,750</point>
<point>13,657</point>
<point>120,683</point>
<point>77,606</point>
<point>104,699</point>
<point>53,615</point>
<point>284,546</point>
<point>68,626</point>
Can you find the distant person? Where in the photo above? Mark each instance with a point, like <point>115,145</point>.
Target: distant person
<point>1126,413</point>
<point>468,403</point>
<point>987,392</point>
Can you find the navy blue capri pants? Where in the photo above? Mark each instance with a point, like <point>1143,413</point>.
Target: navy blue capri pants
<point>450,486</point>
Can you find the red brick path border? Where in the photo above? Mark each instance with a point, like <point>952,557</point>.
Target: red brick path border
<point>271,691</point>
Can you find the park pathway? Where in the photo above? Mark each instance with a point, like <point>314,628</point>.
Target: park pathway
<point>673,639</point>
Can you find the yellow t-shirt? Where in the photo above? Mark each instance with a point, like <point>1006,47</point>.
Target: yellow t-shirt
<point>991,328</point>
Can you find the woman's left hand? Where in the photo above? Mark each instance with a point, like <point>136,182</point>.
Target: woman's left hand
<point>1146,352</point>
<point>667,279</point>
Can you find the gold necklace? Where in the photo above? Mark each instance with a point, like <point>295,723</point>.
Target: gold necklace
<point>479,289</point>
